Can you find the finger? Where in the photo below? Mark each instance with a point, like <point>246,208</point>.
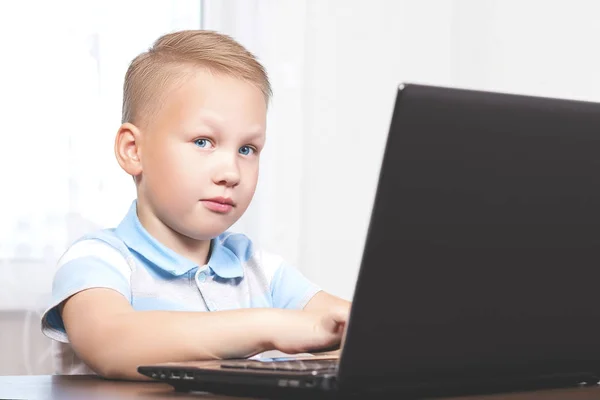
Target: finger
<point>330,324</point>
<point>340,314</point>
<point>333,327</point>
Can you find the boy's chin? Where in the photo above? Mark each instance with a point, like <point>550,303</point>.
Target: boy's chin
<point>207,225</point>
<point>207,232</point>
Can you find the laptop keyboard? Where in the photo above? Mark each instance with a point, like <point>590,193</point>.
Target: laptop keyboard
<point>292,365</point>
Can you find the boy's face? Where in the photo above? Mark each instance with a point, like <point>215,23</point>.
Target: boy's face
<point>200,154</point>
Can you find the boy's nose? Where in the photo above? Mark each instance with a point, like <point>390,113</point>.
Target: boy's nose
<point>228,178</point>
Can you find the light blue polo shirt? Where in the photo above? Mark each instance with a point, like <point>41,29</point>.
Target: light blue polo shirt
<point>153,277</point>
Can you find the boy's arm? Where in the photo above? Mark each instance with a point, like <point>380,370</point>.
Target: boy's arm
<point>114,339</point>
<point>326,301</point>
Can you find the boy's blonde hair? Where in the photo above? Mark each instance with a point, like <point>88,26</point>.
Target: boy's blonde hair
<point>170,58</point>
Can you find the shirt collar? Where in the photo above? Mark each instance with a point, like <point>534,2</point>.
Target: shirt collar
<point>222,262</point>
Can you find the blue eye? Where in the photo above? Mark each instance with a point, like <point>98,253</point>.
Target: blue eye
<point>202,143</point>
<point>246,150</point>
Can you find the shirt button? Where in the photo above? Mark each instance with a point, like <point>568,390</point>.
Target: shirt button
<point>202,276</point>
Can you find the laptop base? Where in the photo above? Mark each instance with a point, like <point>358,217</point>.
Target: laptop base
<point>325,387</point>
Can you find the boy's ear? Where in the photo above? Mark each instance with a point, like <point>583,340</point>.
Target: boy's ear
<point>128,150</point>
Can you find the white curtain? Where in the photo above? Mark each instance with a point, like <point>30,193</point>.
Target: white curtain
<point>61,75</point>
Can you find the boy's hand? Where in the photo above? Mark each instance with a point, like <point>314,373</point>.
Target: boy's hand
<point>305,331</point>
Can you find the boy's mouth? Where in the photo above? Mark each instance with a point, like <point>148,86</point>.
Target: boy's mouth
<point>219,204</point>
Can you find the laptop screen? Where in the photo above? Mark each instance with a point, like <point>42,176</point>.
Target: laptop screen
<point>483,252</point>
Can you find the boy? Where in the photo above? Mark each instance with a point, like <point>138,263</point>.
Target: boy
<point>193,127</point>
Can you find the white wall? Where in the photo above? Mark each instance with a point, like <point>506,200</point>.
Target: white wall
<point>336,65</point>
<point>356,55</point>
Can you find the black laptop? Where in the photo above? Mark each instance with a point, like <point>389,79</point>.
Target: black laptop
<point>481,267</point>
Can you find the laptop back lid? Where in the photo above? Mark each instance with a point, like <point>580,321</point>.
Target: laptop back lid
<point>482,258</point>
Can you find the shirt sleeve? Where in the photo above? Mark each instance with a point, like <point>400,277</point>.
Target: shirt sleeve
<point>290,289</point>
<point>87,264</point>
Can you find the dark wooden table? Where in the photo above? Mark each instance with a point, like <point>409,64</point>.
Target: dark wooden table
<point>84,387</point>
<point>92,387</point>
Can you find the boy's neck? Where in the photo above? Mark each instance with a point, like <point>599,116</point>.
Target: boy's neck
<point>192,249</point>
